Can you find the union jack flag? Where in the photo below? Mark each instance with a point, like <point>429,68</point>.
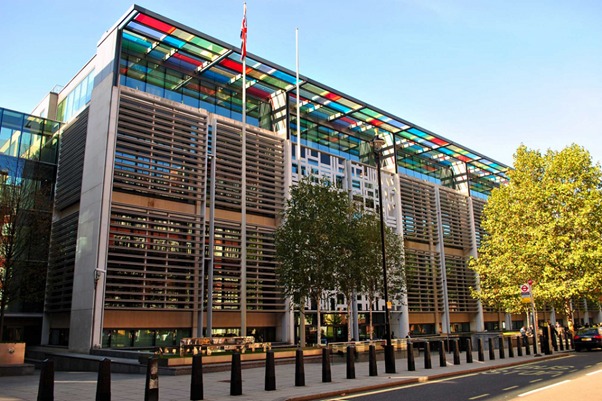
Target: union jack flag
<point>243,34</point>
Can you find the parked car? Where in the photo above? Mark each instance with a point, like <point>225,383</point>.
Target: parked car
<point>588,338</point>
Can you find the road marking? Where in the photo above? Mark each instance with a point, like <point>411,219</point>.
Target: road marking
<point>510,388</point>
<point>535,381</point>
<point>593,373</point>
<point>544,388</point>
<point>479,396</point>
<point>386,390</point>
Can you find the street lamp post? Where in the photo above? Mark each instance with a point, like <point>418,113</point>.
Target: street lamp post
<point>377,144</point>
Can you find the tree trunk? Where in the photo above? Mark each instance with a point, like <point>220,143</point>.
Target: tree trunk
<point>371,321</point>
<point>568,310</point>
<point>302,323</point>
<point>349,317</point>
<point>319,321</point>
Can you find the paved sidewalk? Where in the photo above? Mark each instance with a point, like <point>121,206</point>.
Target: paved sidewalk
<point>81,386</point>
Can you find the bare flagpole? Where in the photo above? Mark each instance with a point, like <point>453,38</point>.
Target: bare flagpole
<point>243,184</point>
<point>298,148</point>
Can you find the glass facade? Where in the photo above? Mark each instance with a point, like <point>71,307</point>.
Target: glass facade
<point>191,68</point>
<point>77,99</point>
<point>28,158</point>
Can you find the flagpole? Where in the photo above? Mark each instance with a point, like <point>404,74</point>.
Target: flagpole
<point>243,192</point>
<point>298,148</point>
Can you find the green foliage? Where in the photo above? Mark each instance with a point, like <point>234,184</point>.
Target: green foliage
<point>545,225</point>
<point>309,243</point>
<point>327,243</point>
<point>368,255</point>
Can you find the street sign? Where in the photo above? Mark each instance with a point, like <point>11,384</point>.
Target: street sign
<point>525,293</point>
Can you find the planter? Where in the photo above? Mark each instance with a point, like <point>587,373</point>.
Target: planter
<point>12,353</point>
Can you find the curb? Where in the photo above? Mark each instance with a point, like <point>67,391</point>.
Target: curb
<point>419,379</point>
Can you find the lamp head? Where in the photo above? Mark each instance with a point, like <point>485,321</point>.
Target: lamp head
<point>377,143</point>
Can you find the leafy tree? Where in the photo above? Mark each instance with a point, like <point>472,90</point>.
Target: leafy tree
<point>368,255</point>
<point>545,225</point>
<point>310,242</point>
<point>24,229</point>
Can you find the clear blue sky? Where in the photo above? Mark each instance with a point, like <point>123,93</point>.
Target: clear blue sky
<point>488,74</point>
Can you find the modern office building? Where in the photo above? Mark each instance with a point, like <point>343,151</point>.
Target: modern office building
<point>28,161</point>
<point>166,204</point>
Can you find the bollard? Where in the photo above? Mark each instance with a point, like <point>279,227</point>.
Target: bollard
<point>196,377</point>
<point>527,347</point>
<point>568,343</point>
<point>519,346</point>
<point>350,362</point>
<point>389,359</point>
<point>46,385</point>
<point>270,371</point>
<point>103,384</point>
<point>469,350</point>
<point>372,366</point>
<point>326,375</point>
<point>442,359</point>
<point>236,375</point>
<point>299,368</point>
<point>151,391</point>
<point>480,354</point>
<point>411,362</point>
<point>535,353</point>
<point>510,348</point>
<point>501,346</point>
<point>546,348</point>
<point>456,343</point>
<point>560,342</point>
<point>427,355</point>
<point>491,349</point>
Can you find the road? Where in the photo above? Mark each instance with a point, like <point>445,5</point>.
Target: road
<point>557,379</point>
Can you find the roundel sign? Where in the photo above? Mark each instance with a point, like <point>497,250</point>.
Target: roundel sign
<point>524,288</point>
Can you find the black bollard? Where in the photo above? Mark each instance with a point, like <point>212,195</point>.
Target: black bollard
<point>510,348</point>
<point>469,350</point>
<point>350,362</point>
<point>519,346</point>
<point>372,366</point>
<point>411,362</point>
<point>491,349</point>
<point>427,355</point>
<point>299,368</point>
<point>456,351</point>
<point>480,354</point>
<point>326,375</point>
<point>46,386</point>
<point>527,347</point>
<point>501,347</point>
<point>236,375</point>
<point>270,371</point>
<point>103,384</point>
<point>151,390</point>
<point>560,342</point>
<point>196,378</point>
<point>535,353</point>
<point>546,347</point>
<point>389,359</point>
<point>442,358</point>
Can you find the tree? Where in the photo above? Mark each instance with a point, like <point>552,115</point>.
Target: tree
<point>310,242</point>
<point>24,229</point>
<point>368,255</point>
<point>545,225</point>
